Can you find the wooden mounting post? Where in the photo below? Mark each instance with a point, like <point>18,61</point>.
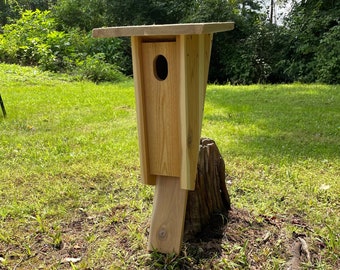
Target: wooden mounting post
<point>170,67</point>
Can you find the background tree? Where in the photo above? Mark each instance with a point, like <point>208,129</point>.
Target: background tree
<point>305,48</point>
<point>12,9</point>
<point>313,52</point>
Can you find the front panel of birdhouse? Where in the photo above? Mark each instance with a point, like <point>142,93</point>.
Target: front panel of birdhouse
<point>156,73</point>
<point>161,94</point>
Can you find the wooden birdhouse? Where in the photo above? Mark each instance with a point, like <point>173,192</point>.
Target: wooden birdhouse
<point>170,68</point>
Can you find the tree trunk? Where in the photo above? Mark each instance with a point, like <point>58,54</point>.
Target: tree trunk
<point>210,195</point>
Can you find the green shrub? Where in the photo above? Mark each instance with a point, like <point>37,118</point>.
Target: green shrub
<point>328,61</point>
<point>34,40</point>
<point>95,68</point>
<point>117,51</point>
<point>22,41</point>
<point>61,50</point>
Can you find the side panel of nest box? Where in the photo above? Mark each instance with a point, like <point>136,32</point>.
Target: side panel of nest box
<point>194,67</point>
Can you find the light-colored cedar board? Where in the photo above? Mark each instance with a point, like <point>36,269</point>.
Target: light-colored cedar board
<point>162,109</point>
<point>146,177</point>
<point>164,29</point>
<point>205,52</point>
<point>168,215</point>
<point>194,57</point>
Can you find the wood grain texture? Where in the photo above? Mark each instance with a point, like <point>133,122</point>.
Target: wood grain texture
<point>194,66</point>
<point>170,111</point>
<point>167,223</point>
<point>146,177</point>
<point>162,109</point>
<point>165,29</point>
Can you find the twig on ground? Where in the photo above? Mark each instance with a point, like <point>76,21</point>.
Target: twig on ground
<point>304,248</point>
<point>300,247</point>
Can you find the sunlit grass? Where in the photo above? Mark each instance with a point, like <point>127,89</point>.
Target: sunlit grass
<point>69,153</point>
<point>281,140</point>
<point>282,150</point>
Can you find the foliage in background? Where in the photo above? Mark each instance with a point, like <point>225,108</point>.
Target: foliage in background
<point>328,56</point>
<point>313,52</point>
<point>236,55</point>
<point>34,40</point>
<point>99,13</point>
<point>26,41</point>
<point>10,10</point>
<point>305,48</point>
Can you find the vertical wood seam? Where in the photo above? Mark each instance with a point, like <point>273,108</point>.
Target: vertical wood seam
<point>140,108</point>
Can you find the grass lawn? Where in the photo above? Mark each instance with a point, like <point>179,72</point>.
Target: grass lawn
<point>70,196</point>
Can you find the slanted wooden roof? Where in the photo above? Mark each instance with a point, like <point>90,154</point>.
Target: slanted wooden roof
<point>163,29</point>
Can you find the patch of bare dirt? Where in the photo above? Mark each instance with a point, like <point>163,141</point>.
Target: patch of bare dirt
<point>240,241</point>
<point>250,242</point>
<point>53,248</point>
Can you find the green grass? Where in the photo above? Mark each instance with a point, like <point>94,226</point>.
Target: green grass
<point>69,172</point>
<point>279,140</point>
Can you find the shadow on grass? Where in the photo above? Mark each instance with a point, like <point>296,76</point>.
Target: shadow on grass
<point>293,121</point>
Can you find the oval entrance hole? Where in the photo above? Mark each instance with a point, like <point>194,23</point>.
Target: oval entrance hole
<point>161,68</point>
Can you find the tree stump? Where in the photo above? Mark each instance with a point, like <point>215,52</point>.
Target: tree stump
<point>210,195</point>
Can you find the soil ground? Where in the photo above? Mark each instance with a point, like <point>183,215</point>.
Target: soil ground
<point>241,241</point>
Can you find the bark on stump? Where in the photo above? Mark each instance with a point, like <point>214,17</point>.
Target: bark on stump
<point>210,195</point>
